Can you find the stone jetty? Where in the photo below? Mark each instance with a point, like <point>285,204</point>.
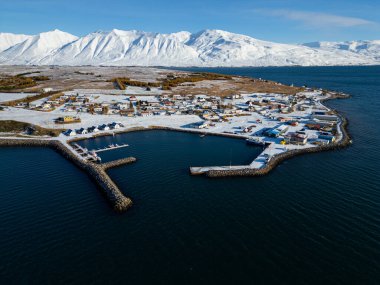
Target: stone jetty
<point>119,162</point>
<point>119,202</point>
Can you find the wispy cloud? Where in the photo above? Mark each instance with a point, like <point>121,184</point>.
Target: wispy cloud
<point>316,19</point>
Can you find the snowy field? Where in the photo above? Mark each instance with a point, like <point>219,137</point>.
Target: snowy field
<point>131,90</point>
<point>45,119</point>
<point>5,97</point>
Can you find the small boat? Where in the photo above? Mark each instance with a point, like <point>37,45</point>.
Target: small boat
<point>254,141</point>
<point>202,135</point>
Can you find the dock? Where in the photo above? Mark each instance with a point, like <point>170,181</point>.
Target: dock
<point>110,147</point>
<point>205,169</point>
<point>85,153</point>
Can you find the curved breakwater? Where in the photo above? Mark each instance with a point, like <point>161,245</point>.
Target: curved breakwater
<point>277,159</point>
<point>118,201</point>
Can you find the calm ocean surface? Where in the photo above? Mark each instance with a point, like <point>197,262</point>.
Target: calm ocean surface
<point>314,220</point>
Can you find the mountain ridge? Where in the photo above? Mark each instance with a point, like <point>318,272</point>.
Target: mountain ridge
<point>206,48</point>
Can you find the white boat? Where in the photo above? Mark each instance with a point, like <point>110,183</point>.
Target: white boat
<point>255,141</point>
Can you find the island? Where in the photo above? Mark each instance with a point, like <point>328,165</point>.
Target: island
<point>57,106</point>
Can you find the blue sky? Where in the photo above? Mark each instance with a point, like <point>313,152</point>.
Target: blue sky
<point>290,21</point>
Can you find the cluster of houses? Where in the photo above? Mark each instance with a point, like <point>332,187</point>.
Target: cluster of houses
<point>135,106</point>
<point>211,108</point>
<point>93,129</point>
<point>319,128</point>
<point>320,133</point>
<point>319,124</point>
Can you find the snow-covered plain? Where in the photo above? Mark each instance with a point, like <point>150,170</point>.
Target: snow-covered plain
<point>5,97</point>
<point>205,48</point>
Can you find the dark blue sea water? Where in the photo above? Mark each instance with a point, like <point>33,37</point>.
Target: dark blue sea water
<point>314,220</point>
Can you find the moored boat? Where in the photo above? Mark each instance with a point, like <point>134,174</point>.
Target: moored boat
<point>255,141</point>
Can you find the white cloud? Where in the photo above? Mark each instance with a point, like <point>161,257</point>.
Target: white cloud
<point>316,19</point>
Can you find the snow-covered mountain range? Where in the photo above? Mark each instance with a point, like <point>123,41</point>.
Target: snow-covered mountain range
<point>205,48</point>
<point>367,48</point>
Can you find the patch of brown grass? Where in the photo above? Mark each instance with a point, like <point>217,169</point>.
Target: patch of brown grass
<point>236,86</point>
<point>10,126</point>
<point>8,83</point>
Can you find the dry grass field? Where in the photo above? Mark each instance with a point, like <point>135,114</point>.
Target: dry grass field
<point>68,78</point>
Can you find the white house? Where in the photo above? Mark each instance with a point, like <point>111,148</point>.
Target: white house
<point>82,131</point>
<point>70,133</point>
<point>204,125</point>
<point>114,126</point>
<point>46,106</point>
<point>93,129</point>
<point>104,128</point>
<point>122,106</point>
<point>48,89</point>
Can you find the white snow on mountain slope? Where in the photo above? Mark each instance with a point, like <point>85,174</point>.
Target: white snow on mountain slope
<point>125,48</point>
<point>34,48</point>
<point>217,47</point>
<point>367,48</point>
<point>205,48</point>
<point>8,40</point>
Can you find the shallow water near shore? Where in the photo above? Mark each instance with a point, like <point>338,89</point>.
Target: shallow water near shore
<point>314,219</point>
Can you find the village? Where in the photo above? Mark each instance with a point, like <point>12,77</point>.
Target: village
<point>277,117</point>
<point>280,122</point>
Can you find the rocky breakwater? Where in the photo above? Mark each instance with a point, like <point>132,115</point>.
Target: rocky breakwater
<point>119,162</point>
<point>119,202</point>
<point>277,159</point>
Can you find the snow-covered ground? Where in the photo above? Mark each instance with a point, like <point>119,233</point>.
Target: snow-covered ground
<point>130,90</point>
<point>5,97</point>
<point>45,119</point>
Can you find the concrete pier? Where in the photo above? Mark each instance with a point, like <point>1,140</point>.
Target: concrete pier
<point>110,148</point>
<point>206,169</point>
